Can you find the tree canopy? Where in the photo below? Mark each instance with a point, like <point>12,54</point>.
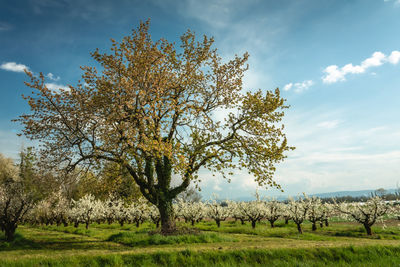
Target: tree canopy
<point>151,108</point>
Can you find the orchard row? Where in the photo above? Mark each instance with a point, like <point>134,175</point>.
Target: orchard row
<point>57,210</point>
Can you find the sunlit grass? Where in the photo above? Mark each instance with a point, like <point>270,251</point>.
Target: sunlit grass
<point>104,244</point>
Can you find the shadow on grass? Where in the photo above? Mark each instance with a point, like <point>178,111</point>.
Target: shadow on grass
<point>134,239</point>
<point>19,243</point>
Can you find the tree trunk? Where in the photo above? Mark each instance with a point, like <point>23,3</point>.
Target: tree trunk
<point>121,223</point>
<point>10,231</point>
<point>368,229</point>
<point>326,222</point>
<point>137,223</point>
<point>242,221</point>
<point>272,224</point>
<point>314,226</point>
<point>193,221</point>
<point>87,225</point>
<point>76,224</point>
<point>253,224</point>
<point>286,221</point>
<point>158,224</point>
<point>321,224</point>
<point>218,223</point>
<point>299,228</point>
<point>166,209</point>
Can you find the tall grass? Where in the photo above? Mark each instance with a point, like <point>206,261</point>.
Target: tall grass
<point>133,239</point>
<point>345,256</point>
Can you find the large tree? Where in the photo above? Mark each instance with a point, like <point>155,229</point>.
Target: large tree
<point>152,108</point>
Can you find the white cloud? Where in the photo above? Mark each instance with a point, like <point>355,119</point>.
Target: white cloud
<point>377,59</point>
<point>396,2</point>
<point>335,74</point>
<point>349,68</point>
<point>56,87</point>
<point>15,67</point>
<point>287,87</point>
<point>394,57</point>
<point>52,77</point>
<point>299,87</point>
<point>216,187</point>
<point>329,124</point>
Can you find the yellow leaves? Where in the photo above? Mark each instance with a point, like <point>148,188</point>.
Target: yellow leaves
<point>149,100</point>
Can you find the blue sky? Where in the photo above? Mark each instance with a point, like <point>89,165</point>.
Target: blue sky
<point>336,62</point>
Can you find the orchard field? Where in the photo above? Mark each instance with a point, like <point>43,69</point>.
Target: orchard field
<point>342,243</point>
<point>117,153</point>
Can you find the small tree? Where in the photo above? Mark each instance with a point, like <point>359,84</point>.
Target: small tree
<point>152,110</point>
<point>217,212</point>
<point>18,192</point>
<point>84,210</point>
<point>190,195</point>
<point>365,213</point>
<point>315,212</point>
<point>254,211</point>
<point>298,211</point>
<point>273,211</point>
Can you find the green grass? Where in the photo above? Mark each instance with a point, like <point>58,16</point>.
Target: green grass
<point>233,244</point>
<point>133,239</point>
<point>346,256</point>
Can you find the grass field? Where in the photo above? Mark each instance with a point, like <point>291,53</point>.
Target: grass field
<point>340,244</point>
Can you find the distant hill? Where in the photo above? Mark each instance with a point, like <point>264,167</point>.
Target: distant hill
<point>358,193</point>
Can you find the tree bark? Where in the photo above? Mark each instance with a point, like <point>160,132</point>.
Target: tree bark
<point>368,229</point>
<point>314,226</point>
<point>286,221</point>
<point>218,223</point>
<point>299,228</point>
<point>10,231</point>
<point>253,224</point>
<point>272,224</point>
<point>166,209</point>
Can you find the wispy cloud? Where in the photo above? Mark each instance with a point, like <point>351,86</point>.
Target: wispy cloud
<point>396,2</point>
<point>5,26</point>
<point>14,67</point>
<point>56,87</point>
<point>329,124</point>
<point>298,87</point>
<point>334,74</point>
<point>52,77</point>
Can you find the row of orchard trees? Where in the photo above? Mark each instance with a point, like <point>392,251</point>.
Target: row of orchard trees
<point>27,195</point>
<point>29,185</point>
<point>86,210</point>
